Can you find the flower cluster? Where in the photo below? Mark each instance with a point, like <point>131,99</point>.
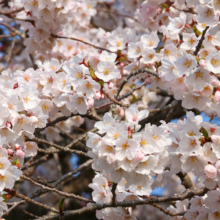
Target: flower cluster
<point>31,98</point>
<point>170,45</point>
<point>124,153</point>
<point>205,207</point>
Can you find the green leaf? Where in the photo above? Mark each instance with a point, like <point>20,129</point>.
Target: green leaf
<point>61,204</point>
<point>5,197</point>
<point>92,71</point>
<point>205,133</point>
<point>101,82</point>
<point>163,6</point>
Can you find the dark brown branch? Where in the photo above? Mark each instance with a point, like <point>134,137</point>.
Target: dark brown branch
<point>200,41</point>
<point>61,148</point>
<point>114,186</point>
<point>10,54</point>
<point>68,195</point>
<point>186,195</point>
<point>89,115</point>
<point>172,111</point>
<point>185,179</point>
<point>15,194</point>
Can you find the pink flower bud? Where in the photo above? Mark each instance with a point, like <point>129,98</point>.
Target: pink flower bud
<point>10,152</point>
<point>194,18</point>
<point>8,124</point>
<point>110,85</point>
<point>102,95</point>
<point>15,86</point>
<point>217,165</point>
<point>17,147</point>
<point>147,80</point>
<point>121,112</point>
<point>210,171</point>
<point>217,96</point>
<point>90,103</point>
<point>139,155</point>
<point>97,95</point>
<point>159,10</point>
<point>20,154</point>
<point>215,139</point>
<point>34,119</point>
<point>215,82</point>
<point>122,64</point>
<point>202,63</point>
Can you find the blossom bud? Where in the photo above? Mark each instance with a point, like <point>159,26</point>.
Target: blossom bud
<point>17,147</point>
<point>215,139</point>
<point>20,154</point>
<point>102,95</point>
<point>217,165</point>
<point>159,10</point>
<point>217,96</point>
<point>194,17</point>
<point>139,155</point>
<point>210,171</point>
<point>90,103</point>
<point>215,82</point>
<point>97,95</point>
<point>10,152</point>
<point>129,132</point>
<point>122,64</point>
<point>8,124</point>
<point>110,85</point>
<point>34,119</point>
<point>121,112</point>
<point>202,63</point>
<point>147,80</point>
<point>15,86</point>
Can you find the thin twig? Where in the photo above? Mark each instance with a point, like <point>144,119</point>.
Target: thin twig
<point>61,148</point>
<point>12,11</point>
<point>36,162</point>
<point>13,30</point>
<point>81,41</point>
<point>70,145</point>
<point>15,194</point>
<point>30,214</point>
<point>114,100</point>
<point>68,195</point>
<point>10,54</point>
<point>132,91</point>
<point>167,212</point>
<point>134,73</point>
<point>70,174</point>
<point>89,115</point>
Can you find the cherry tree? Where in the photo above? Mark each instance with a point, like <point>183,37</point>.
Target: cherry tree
<point>89,90</point>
